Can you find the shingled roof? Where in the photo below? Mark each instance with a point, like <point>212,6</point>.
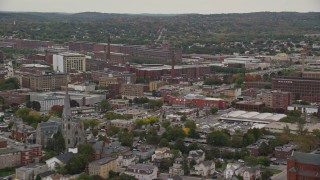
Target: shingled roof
<point>306,158</point>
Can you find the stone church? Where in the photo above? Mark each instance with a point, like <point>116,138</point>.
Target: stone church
<point>73,129</point>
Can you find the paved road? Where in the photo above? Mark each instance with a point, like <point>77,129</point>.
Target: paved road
<point>165,176</point>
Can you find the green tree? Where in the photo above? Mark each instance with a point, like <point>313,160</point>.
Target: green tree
<point>190,124</point>
<point>90,123</point>
<point>165,164</point>
<point>57,143</point>
<point>183,118</point>
<point>86,150</point>
<point>124,176</point>
<point>163,142</point>
<point>165,124</point>
<point>218,138</point>
<point>56,110</point>
<point>213,110</point>
<point>84,176</point>
<point>104,106</point>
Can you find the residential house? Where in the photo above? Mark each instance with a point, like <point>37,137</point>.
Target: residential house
<point>142,171</point>
<point>232,169</point>
<point>283,152</point>
<point>144,151</point>
<point>126,159</point>
<point>104,149</point>
<point>251,173</point>
<point>197,155</point>
<point>204,169</point>
<point>22,132</point>
<point>177,167</point>
<point>103,166</point>
<point>60,160</point>
<point>30,171</point>
<point>162,153</point>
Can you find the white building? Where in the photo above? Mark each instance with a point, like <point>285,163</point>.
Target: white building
<point>233,169</point>
<point>48,99</point>
<point>240,60</point>
<point>204,168</point>
<point>60,160</point>
<point>84,87</point>
<point>309,109</point>
<point>67,62</point>
<point>162,153</point>
<point>197,155</point>
<point>127,159</point>
<point>142,171</point>
<point>176,168</point>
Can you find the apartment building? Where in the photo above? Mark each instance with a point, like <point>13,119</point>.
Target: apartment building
<point>69,62</point>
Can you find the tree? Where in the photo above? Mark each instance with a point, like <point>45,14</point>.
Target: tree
<point>163,142</point>
<point>90,123</point>
<point>104,106</point>
<point>266,110</point>
<point>86,150</point>
<point>85,176</point>
<point>56,110</point>
<point>266,174</point>
<point>218,138</point>
<point>183,118</point>
<point>35,105</point>
<point>152,137</point>
<point>11,123</point>
<point>213,110</point>
<point>165,124</point>
<point>74,103</point>
<point>57,143</point>
<point>179,144</point>
<point>165,164</point>
<point>190,124</point>
<point>124,176</point>
<point>126,138</point>
<point>76,164</point>
<point>264,149</point>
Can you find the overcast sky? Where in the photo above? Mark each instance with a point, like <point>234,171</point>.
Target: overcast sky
<point>160,6</point>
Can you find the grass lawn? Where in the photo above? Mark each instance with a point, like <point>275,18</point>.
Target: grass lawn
<point>274,171</point>
<point>7,171</point>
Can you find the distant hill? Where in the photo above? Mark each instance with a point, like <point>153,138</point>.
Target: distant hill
<point>180,30</point>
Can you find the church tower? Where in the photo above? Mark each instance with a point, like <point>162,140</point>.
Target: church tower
<point>73,129</point>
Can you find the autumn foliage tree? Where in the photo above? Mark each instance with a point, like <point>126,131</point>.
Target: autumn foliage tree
<point>56,110</point>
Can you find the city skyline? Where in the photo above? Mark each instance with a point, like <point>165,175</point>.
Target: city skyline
<point>160,7</point>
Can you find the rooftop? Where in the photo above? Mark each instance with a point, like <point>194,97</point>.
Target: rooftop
<point>306,158</point>
<point>103,161</point>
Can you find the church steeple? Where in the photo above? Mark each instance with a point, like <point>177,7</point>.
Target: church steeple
<point>73,129</point>
<point>66,108</point>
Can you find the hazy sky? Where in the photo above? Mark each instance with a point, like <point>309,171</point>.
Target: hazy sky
<point>160,6</point>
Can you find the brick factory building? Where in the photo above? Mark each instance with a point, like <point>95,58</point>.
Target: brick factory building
<point>193,100</point>
<point>155,72</point>
<point>304,88</point>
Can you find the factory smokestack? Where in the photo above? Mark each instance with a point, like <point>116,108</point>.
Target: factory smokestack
<point>109,47</point>
<point>172,64</point>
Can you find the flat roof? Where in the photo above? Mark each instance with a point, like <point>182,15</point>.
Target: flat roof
<point>252,116</point>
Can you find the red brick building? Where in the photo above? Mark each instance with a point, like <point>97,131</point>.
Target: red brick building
<point>257,84</point>
<point>21,132</point>
<point>305,88</point>
<point>249,106</point>
<point>13,97</point>
<point>30,154</point>
<point>277,100</point>
<point>155,73</point>
<point>198,101</point>
<point>303,166</point>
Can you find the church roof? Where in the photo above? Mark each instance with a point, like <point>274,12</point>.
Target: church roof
<point>306,158</point>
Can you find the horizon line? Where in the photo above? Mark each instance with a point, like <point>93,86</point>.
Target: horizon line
<point>144,13</point>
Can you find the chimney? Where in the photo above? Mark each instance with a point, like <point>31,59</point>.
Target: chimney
<point>172,64</point>
<point>109,47</point>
